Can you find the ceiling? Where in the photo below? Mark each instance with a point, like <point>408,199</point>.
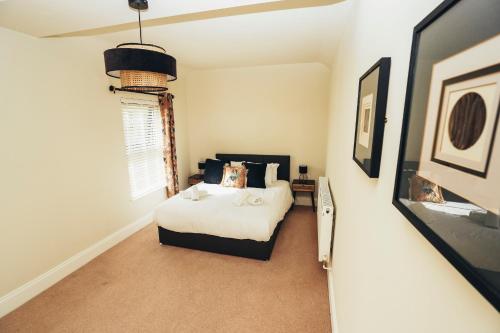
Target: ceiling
<point>52,17</point>
<point>199,33</point>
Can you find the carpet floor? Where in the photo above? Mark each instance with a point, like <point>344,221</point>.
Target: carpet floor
<point>141,286</point>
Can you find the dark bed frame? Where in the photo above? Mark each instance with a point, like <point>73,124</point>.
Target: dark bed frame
<point>237,247</point>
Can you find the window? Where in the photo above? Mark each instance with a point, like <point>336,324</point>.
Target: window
<point>144,146</point>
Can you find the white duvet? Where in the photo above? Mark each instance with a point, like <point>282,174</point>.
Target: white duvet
<point>216,214</point>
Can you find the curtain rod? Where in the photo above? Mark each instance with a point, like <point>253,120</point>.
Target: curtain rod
<point>113,89</point>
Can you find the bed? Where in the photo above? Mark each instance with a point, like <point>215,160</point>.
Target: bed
<point>215,224</point>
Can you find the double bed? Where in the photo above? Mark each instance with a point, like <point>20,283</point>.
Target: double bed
<point>216,224</point>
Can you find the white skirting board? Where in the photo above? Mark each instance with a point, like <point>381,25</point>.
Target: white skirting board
<point>331,296</point>
<point>27,291</point>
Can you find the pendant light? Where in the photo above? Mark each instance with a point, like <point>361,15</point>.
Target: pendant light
<point>140,67</point>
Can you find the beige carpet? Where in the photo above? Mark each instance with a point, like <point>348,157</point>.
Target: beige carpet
<point>140,286</point>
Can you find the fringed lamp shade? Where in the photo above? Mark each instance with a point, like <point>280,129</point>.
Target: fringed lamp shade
<point>141,67</point>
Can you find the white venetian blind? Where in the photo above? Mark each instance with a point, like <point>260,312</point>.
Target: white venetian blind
<point>144,146</point>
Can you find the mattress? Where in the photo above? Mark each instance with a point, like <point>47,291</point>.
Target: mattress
<point>215,214</point>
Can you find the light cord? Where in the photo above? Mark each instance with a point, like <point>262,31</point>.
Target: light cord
<point>140,25</point>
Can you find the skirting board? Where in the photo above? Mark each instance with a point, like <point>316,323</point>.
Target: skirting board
<point>331,296</point>
<point>27,291</point>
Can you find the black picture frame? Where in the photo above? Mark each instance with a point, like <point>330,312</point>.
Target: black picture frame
<point>487,289</point>
<point>483,71</point>
<point>371,165</point>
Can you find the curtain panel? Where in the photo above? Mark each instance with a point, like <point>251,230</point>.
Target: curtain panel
<point>169,152</point>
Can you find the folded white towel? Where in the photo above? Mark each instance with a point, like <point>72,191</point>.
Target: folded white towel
<point>190,194</point>
<point>255,200</point>
<point>240,198</point>
<point>195,195</point>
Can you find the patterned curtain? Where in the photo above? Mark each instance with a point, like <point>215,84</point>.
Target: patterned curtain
<point>169,153</point>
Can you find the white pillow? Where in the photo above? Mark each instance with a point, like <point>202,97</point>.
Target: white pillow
<point>237,164</point>
<point>275,171</point>
<point>271,173</point>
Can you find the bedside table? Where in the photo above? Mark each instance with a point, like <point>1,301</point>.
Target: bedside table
<point>195,179</point>
<point>299,185</point>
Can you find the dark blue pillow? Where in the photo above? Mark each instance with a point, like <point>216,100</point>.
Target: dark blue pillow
<point>214,170</point>
<point>256,174</point>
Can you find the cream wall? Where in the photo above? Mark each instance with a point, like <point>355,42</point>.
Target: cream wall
<point>387,277</point>
<point>279,109</point>
<point>64,178</point>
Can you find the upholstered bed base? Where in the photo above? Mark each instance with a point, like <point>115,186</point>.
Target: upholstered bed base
<point>236,247</point>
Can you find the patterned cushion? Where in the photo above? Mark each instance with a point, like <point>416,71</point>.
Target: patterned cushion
<point>234,176</point>
<point>423,190</point>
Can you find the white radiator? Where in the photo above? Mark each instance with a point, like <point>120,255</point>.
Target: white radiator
<point>326,219</point>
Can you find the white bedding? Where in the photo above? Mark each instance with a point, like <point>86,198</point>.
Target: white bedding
<point>462,225</point>
<point>216,214</point>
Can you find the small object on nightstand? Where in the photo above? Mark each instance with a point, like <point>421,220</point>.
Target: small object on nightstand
<point>201,167</point>
<point>303,173</point>
<point>195,179</point>
<point>304,185</point>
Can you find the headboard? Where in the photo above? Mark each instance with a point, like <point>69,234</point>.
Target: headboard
<point>283,160</point>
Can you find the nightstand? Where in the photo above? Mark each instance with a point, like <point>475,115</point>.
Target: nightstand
<point>299,185</point>
<point>195,179</point>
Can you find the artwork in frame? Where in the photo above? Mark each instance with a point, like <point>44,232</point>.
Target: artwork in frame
<point>370,117</point>
<point>448,172</point>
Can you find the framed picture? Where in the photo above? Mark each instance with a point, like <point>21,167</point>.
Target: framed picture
<point>448,174</point>
<point>370,117</point>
